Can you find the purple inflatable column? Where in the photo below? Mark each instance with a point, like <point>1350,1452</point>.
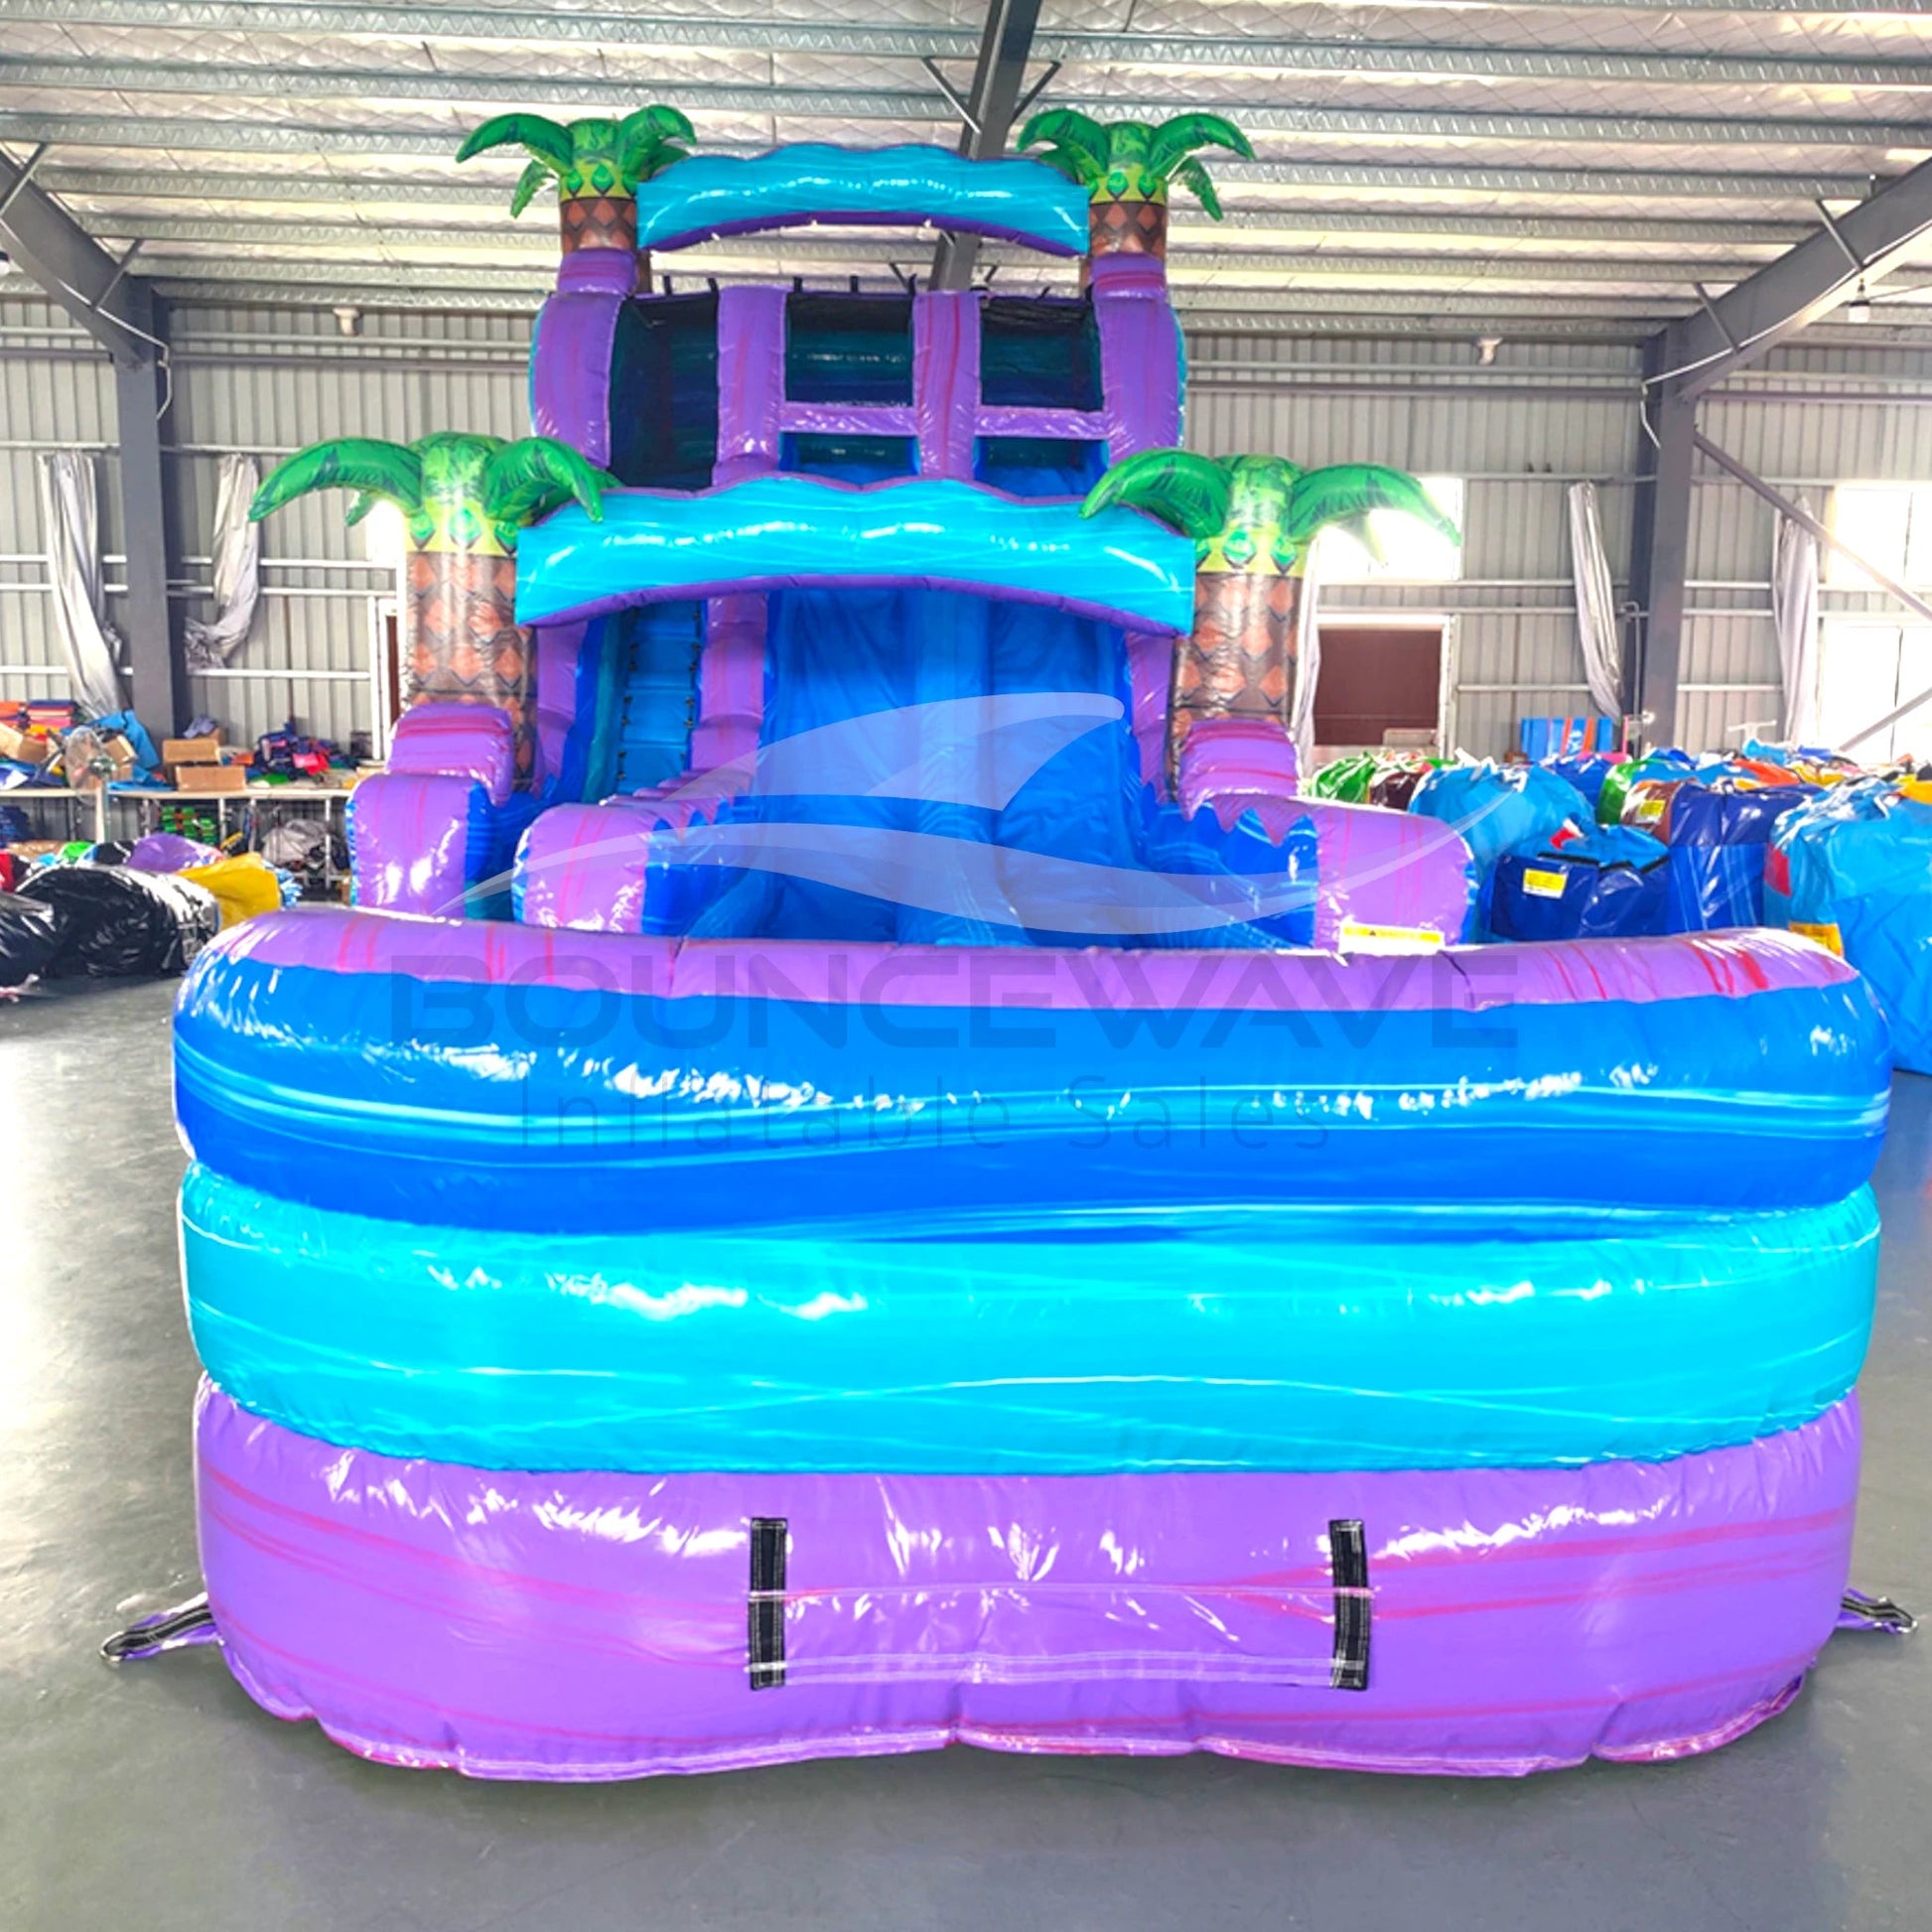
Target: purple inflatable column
<point>750,381</point>
<point>571,357</point>
<point>1139,354</point>
<point>750,395</point>
<point>946,381</point>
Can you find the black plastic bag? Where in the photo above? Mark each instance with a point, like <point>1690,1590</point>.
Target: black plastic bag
<point>29,936</point>
<point>120,923</point>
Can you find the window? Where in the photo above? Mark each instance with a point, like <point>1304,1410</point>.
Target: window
<point>1410,552</point>
<point>1888,524</point>
<point>1864,669</point>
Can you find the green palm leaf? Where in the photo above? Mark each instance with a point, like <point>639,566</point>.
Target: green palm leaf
<point>665,122</point>
<point>528,479</point>
<point>1079,145</point>
<point>532,177</point>
<point>1194,177</point>
<point>1172,139</point>
<point>375,469</point>
<point>1347,491</point>
<point>648,140</point>
<point>548,142</point>
<point>1188,493</point>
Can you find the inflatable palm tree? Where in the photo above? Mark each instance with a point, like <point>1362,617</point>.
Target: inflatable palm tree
<point>1253,521</point>
<point>465,499</point>
<point>598,167</point>
<point>1126,170</point>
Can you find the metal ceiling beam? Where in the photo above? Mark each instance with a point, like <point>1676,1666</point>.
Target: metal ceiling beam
<point>999,75</point>
<point>233,279</point>
<point>868,105</point>
<point>198,135</point>
<point>266,249</point>
<point>345,18</point>
<point>1187,230</point>
<point>1857,249</point>
<point>893,41</point>
<point>42,239</point>
<point>1724,334</point>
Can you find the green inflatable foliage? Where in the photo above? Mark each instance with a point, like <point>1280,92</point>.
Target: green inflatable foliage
<point>1133,160</point>
<point>590,157</point>
<point>455,491</point>
<point>1259,513</point>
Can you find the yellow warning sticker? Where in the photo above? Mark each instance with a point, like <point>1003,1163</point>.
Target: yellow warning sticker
<point>1356,936</point>
<point>1827,936</point>
<point>1650,810</point>
<point>1542,885</point>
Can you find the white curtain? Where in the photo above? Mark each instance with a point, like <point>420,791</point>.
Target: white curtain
<point>1597,626</point>
<point>70,517</point>
<point>237,569</point>
<point>1794,610</point>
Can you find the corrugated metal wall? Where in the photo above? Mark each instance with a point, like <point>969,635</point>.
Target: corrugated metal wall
<point>1521,429</point>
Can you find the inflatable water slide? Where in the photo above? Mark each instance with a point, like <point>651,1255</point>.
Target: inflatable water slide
<point>863,1172</point>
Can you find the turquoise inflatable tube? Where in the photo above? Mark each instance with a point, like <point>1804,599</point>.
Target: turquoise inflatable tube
<point>1277,1340</point>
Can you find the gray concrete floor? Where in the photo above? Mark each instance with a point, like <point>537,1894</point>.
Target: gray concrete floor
<point>157,1797</point>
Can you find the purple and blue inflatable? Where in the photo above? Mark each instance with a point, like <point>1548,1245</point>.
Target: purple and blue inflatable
<point>850,1185</point>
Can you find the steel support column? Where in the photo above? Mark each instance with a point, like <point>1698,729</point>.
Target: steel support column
<point>988,112</point>
<point>1661,550</point>
<point>124,316</point>
<point>150,627</point>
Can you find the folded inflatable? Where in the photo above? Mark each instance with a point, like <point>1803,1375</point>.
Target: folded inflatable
<point>1852,869</point>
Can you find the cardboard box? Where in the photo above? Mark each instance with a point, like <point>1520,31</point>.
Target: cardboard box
<point>211,777</point>
<point>192,751</point>
<point>24,746</point>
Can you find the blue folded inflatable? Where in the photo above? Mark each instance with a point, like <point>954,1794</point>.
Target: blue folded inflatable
<point>1718,837</point>
<point>1498,809</point>
<point>1854,869</point>
<point>1610,884</point>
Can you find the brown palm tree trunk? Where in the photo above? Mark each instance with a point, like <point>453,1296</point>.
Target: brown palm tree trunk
<point>1127,227</point>
<point>463,643</point>
<point>600,244</point>
<point>1240,661</point>
<point>598,222</point>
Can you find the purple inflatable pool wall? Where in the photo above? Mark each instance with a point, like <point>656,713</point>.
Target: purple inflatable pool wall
<point>603,1626</point>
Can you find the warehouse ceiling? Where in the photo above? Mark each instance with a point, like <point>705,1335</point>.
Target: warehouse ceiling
<point>1572,165</point>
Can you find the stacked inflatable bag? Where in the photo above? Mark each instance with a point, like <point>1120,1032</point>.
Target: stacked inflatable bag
<point>1609,882</point>
<point>1852,869</point>
<point>1386,779</point>
<point>1498,810</point>
<point>1718,833</point>
<point>977,1214</point>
